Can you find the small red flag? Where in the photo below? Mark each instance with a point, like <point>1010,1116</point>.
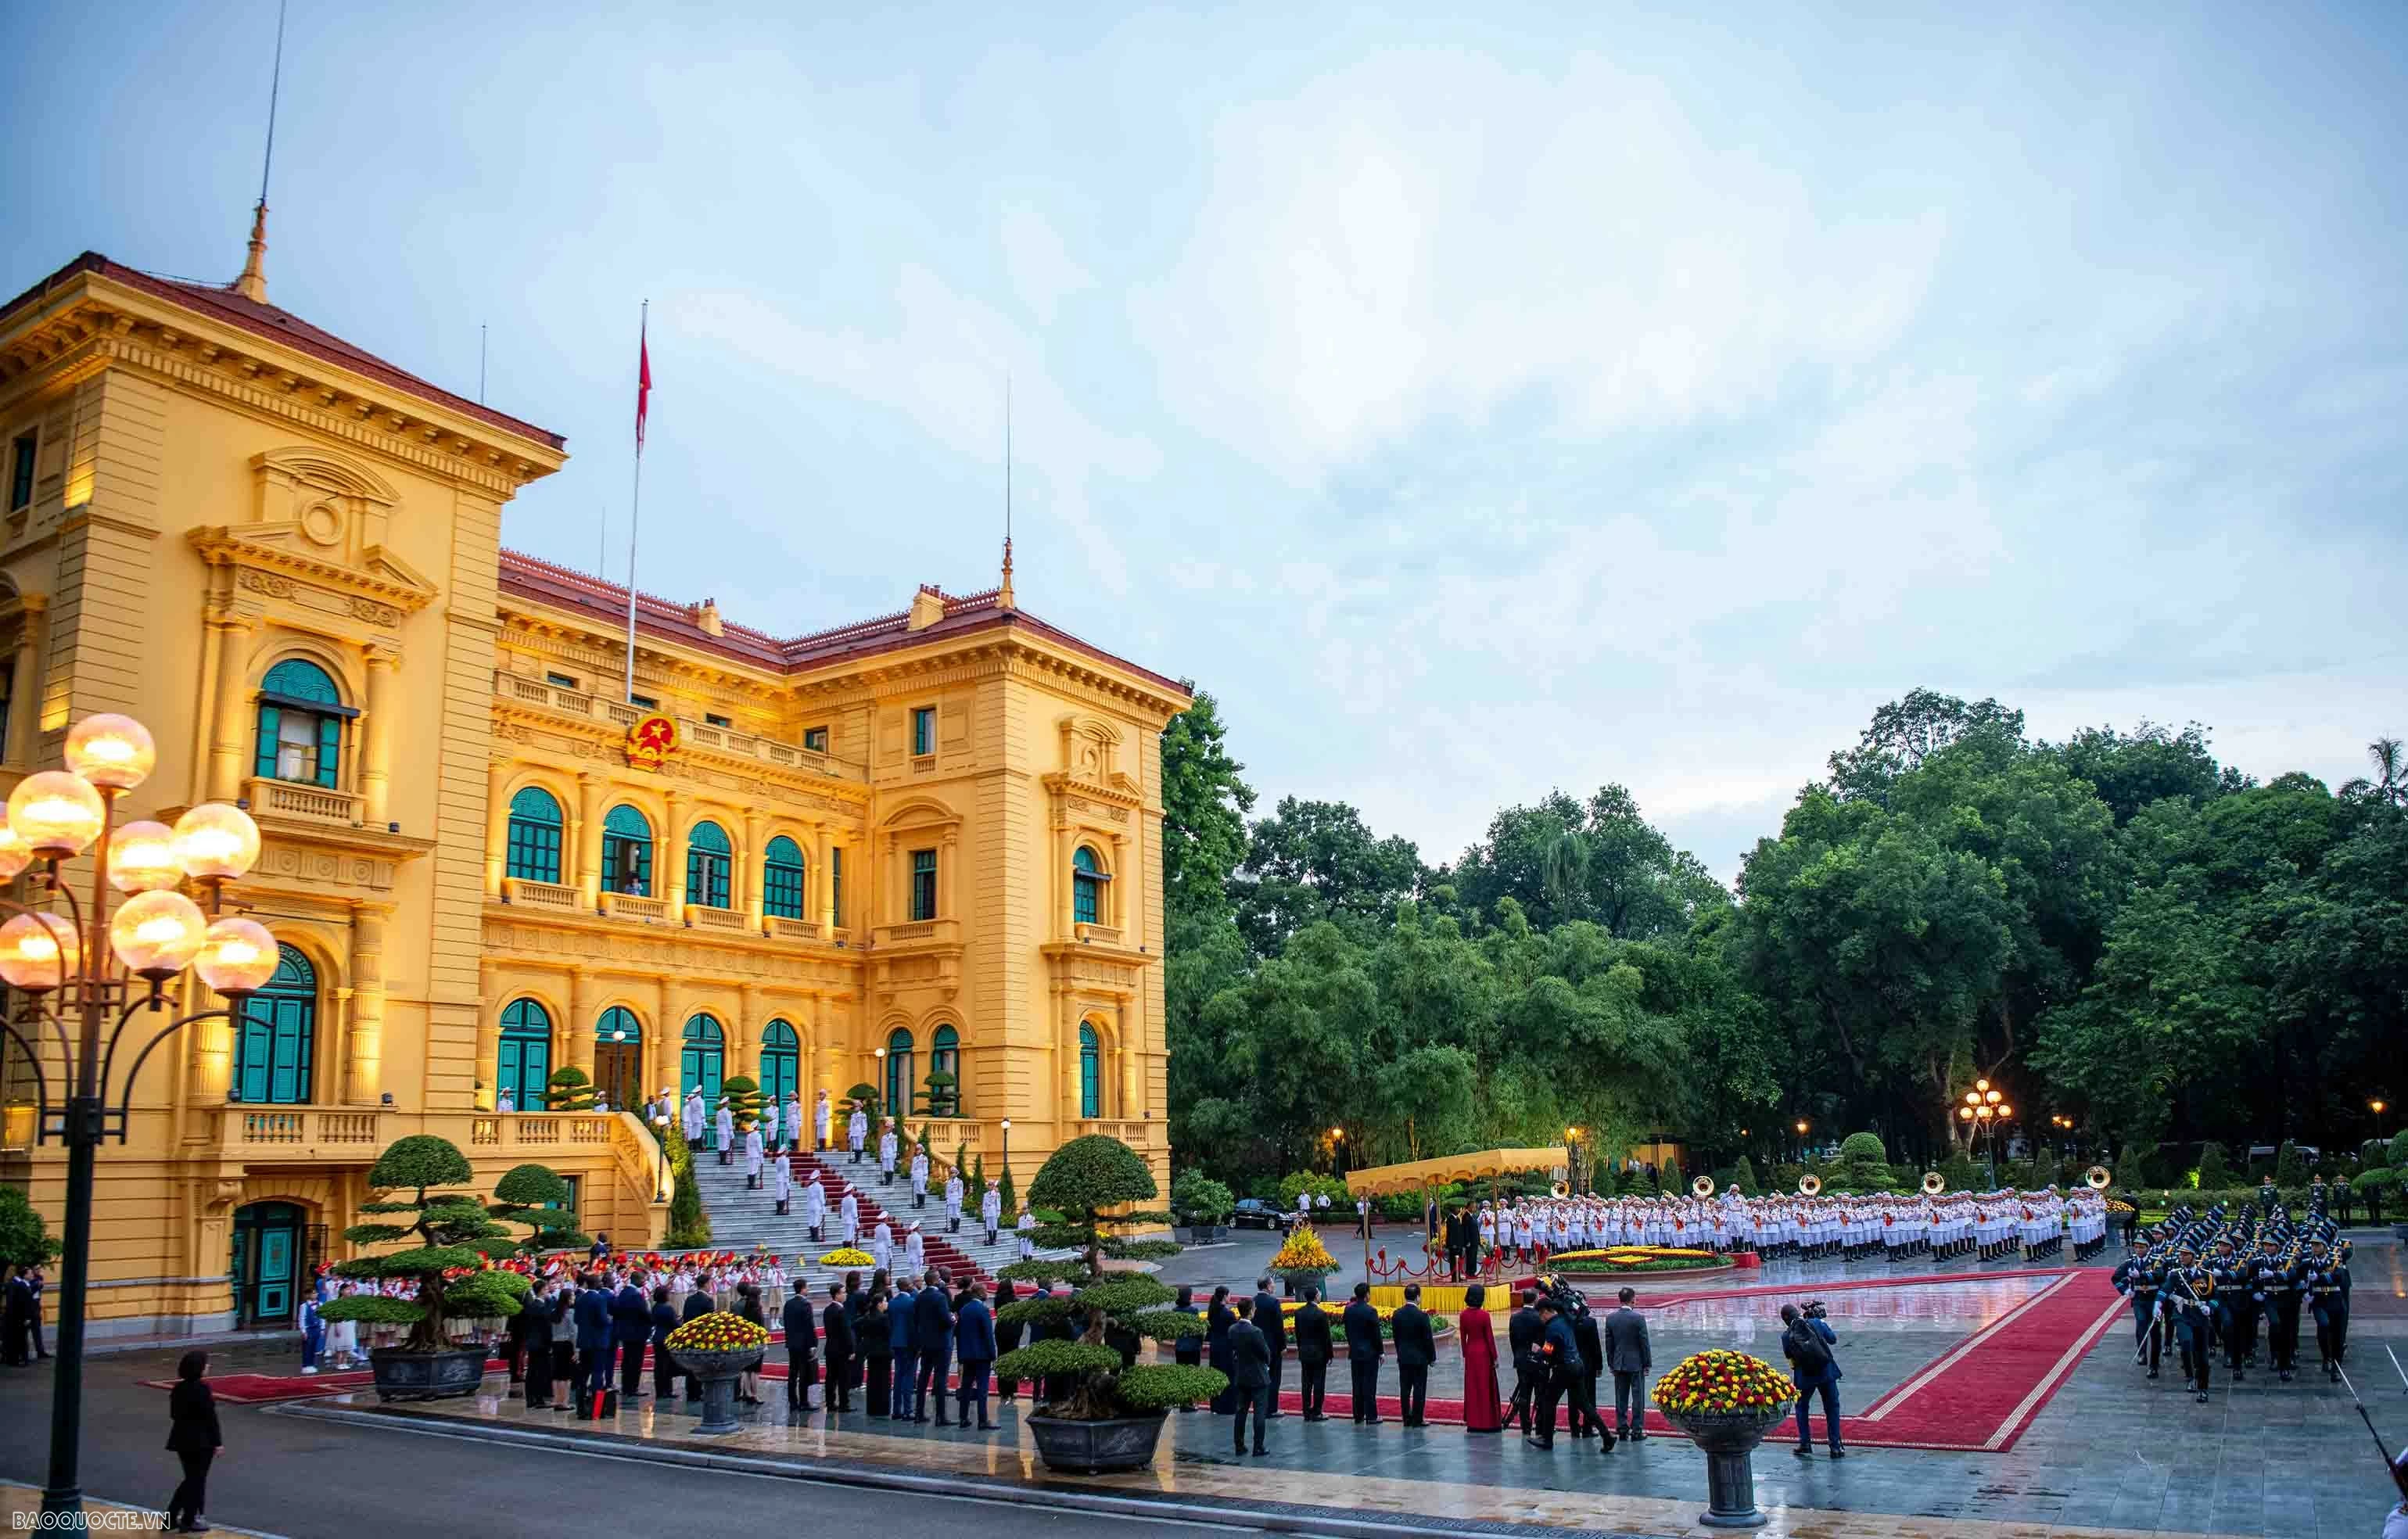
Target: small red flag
<point>643,379</point>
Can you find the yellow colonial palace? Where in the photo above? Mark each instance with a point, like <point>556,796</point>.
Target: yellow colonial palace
<point>922,851</point>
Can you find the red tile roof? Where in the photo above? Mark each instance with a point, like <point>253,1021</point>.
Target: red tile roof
<point>221,303</point>
<point>533,579</point>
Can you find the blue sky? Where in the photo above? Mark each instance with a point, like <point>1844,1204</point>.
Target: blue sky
<point>1573,395</point>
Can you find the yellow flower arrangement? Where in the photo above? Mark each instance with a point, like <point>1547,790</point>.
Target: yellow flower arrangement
<point>847,1255</point>
<point>717,1332</point>
<point>1628,1255</point>
<point>1304,1252</point>
<point>1721,1382</point>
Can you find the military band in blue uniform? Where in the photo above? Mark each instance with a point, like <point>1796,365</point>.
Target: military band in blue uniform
<point>2218,1280</point>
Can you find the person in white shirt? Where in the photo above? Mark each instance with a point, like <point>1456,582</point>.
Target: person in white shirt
<point>724,1124</point>
<point>954,1203</point>
<point>694,1118</point>
<point>752,1159</point>
<point>770,1124</point>
<point>783,1183</point>
<point>881,1246</point>
<point>505,1104</point>
<point>857,1130</point>
<point>991,1210</point>
<point>1027,1232</point>
<point>919,1179</point>
<point>794,1123</point>
<point>815,1206</point>
<point>888,1144</point>
<point>849,1215</point>
<point>915,1252</point>
<point>820,1114</point>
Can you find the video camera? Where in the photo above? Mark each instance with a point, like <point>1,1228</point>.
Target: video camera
<point>1814,1310</point>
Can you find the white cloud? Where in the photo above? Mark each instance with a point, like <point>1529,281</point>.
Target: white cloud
<point>1436,235</point>
<point>1041,268</point>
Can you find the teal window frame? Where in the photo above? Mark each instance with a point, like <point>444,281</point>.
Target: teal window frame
<point>277,1042</point>
<point>702,1058</point>
<point>627,1092</point>
<point>1091,1078</point>
<point>923,886</point>
<point>945,1057</point>
<point>626,849</point>
<point>836,887</point>
<point>708,860</point>
<point>924,731</point>
<point>785,879</point>
<point>781,1060</point>
<point>898,1072</point>
<point>523,1063</point>
<point>297,689</point>
<point>532,846</point>
<point>24,453</point>
<point>1087,881</point>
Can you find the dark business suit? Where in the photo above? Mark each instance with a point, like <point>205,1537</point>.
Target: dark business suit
<point>933,1338</point>
<point>1364,1350</point>
<point>1313,1352</point>
<point>800,1323</point>
<point>541,1319</point>
<point>665,1372</point>
<point>1523,1333</point>
<point>835,1324</point>
<point>594,1339</point>
<point>698,1304</point>
<point>1627,1354</point>
<point>974,1343</point>
<point>193,1437</point>
<point>631,1326</point>
<point>17,1323</point>
<point>1416,1349</point>
<point>1270,1322</point>
<point>1250,1375</point>
<point>1583,1385</point>
<point>902,1337</point>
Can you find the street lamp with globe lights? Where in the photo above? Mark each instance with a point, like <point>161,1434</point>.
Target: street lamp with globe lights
<point>82,977</point>
<point>1985,1111</point>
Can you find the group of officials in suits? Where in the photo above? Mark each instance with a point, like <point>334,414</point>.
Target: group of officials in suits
<point>1560,1350</point>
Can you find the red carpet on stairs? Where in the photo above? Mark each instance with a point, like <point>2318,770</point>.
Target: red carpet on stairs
<point>835,1170</point>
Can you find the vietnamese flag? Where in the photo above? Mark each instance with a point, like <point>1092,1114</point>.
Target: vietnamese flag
<point>643,377</point>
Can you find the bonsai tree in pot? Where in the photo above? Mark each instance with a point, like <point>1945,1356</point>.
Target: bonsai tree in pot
<point>534,1195</point>
<point>1104,1413</point>
<point>453,1235</point>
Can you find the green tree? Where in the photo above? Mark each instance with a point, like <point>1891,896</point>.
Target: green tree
<point>2129,771</point>
<point>1316,862</point>
<point>536,1198</point>
<point>2389,783</point>
<point>568,1090</point>
<point>450,1233</point>
<point>2290,1169</point>
<point>24,1239</point>
<point>2214,1173</point>
<point>1205,801</point>
<point>1905,732</point>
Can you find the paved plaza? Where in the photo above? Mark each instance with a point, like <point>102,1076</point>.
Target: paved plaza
<point>2110,1453</point>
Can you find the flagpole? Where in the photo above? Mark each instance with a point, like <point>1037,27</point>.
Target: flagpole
<point>636,501</point>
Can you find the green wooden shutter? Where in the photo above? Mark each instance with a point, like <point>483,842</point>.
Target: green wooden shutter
<point>330,749</point>
<point>264,759</point>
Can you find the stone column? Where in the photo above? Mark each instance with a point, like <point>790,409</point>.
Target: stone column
<point>364,1063</point>
<point>578,1051</point>
<point>672,882</point>
<point>893,887</point>
<point>744,1038</point>
<point>662,1047</point>
<point>213,1050</point>
<point>24,681</point>
<point>489,1034</point>
<point>1057,881</point>
<point>376,738</point>
<point>820,904</point>
<point>1125,1050</point>
<point>230,727</point>
<point>747,890</point>
<point>947,848</point>
<point>1116,896</point>
<point>498,823</point>
<point>591,790</point>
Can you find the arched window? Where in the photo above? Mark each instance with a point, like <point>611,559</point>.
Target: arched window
<point>1087,881</point>
<point>628,852</point>
<point>1091,1079</point>
<point>707,859</point>
<point>279,1029</point>
<point>703,1059</point>
<point>783,879</point>
<point>301,716</point>
<point>945,1057</point>
<point>534,848</point>
<point>898,1072</point>
<point>524,1065</point>
<point>619,1058</point>
<point>782,1058</point>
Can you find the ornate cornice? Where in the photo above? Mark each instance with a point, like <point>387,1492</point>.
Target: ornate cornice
<point>395,586</point>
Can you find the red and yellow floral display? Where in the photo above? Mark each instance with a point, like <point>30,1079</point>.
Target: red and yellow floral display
<point>1720,1382</point>
<point>717,1332</point>
<point>1303,1252</point>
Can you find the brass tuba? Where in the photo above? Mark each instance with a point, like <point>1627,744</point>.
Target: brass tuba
<point>1702,1186</point>
<point>2099,1177</point>
<point>1561,1189</point>
<point>1810,1185</point>
<point>1934,1183</point>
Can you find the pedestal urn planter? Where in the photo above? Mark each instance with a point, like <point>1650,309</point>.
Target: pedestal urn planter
<point>718,1370</point>
<point>1728,1440</point>
<point>1095,1447</point>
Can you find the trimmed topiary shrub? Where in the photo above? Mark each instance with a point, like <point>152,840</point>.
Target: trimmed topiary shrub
<point>2290,1169</point>
<point>453,1232</point>
<point>567,1090</point>
<point>2215,1170</point>
<point>536,1196</point>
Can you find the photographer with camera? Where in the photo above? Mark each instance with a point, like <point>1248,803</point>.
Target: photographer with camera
<point>1807,1340</point>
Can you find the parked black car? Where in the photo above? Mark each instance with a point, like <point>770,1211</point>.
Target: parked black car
<point>1254,1212</point>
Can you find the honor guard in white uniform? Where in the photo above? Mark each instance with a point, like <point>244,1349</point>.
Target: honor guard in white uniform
<point>815,1207</point>
<point>954,1203</point>
<point>819,1117</point>
<point>857,1131</point>
<point>694,1118</point>
<point>794,1121</point>
<point>770,1124</point>
<point>919,1179</point>
<point>915,1253</point>
<point>782,1184</point>
<point>724,1124</point>
<point>881,1246</point>
<point>991,1210</point>
<point>848,1213</point>
<point>887,1146</point>
<point>752,1159</point>
<point>1027,1232</point>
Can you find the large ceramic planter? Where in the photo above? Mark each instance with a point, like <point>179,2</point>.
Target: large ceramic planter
<point>1296,1282</point>
<point>1728,1440</point>
<point>718,1372</point>
<point>404,1374</point>
<point>1095,1447</point>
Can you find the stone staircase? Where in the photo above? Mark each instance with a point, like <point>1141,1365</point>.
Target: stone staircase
<point>741,1218</point>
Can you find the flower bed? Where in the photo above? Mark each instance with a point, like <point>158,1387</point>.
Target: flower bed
<point>1722,1381</point>
<point>1616,1259</point>
<point>718,1332</point>
<point>1439,1325</point>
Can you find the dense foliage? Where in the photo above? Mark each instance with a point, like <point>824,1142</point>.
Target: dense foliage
<point>2116,928</point>
<point>25,1241</point>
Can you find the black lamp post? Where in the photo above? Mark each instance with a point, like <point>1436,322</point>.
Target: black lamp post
<point>69,987</point>
<point>1985,1111</point>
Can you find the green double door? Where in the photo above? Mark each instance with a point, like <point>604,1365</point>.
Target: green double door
<point>267,1264</point>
